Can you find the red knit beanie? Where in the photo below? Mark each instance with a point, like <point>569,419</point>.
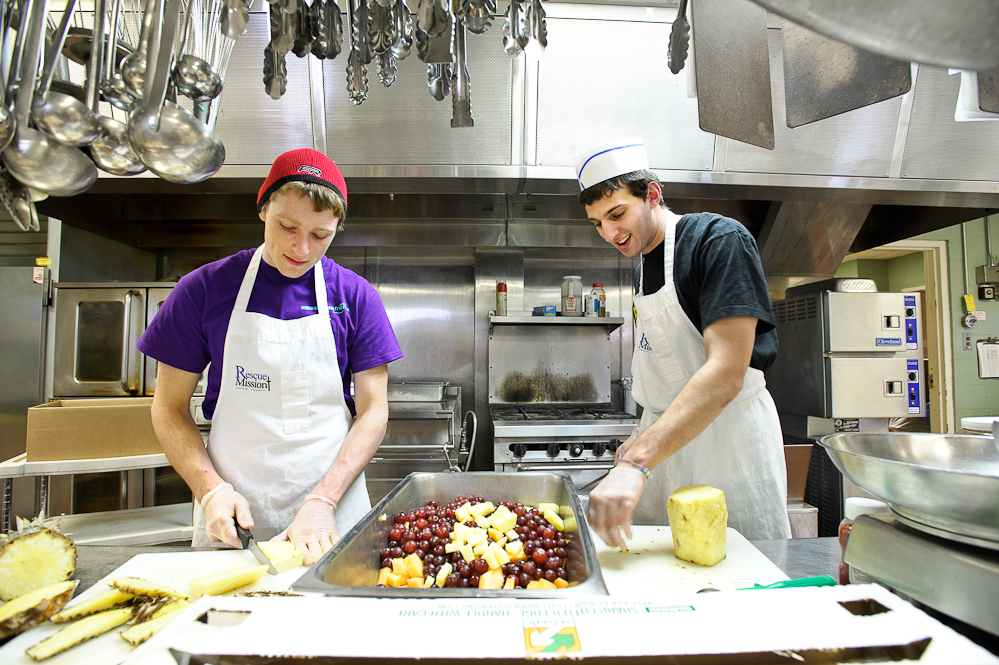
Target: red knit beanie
<point>304,165</point>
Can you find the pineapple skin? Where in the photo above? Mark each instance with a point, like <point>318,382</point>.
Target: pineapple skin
<point>698,518</point>
<point>34,557</point>
<point>34,608</point>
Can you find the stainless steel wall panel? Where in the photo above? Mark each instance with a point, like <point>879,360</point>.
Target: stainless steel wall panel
<point>601,80</point>
<point>857,143</point>
<point>939,147</point>
<point>255,128</point>
<point>403,124</point>
<point>452,232</point>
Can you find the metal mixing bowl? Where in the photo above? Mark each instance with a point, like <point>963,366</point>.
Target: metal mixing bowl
<point>351,567</point>
<point>944,484</point>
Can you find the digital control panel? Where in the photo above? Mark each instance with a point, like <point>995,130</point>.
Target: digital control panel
<point>911,313</point>
<point>912,383</point>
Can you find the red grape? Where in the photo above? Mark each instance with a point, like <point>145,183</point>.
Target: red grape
<point>539,556</point>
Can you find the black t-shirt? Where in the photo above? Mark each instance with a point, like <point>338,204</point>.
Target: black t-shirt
<point>717,272</point>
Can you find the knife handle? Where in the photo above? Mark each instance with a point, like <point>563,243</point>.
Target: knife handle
<point>244,535</point>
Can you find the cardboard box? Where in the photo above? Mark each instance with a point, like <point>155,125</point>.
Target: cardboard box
<point>91,428</point>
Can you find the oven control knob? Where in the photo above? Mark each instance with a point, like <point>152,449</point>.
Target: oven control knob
<point>576,449</point>
<point>614,443</point>
<point>554,449</point>
<point>598,448</point>
<point>519,449</point>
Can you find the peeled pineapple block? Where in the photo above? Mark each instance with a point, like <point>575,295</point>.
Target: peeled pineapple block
<point>282,554</point>
<point>227,580</point>
<point>698,518</point>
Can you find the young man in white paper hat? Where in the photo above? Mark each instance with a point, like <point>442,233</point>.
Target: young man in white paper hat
<point>705,332</point>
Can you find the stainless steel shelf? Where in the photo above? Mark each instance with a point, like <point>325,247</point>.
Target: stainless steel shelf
<point>611,322</point>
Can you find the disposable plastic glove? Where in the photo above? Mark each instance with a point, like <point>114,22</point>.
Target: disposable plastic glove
<point>314,528</point>
<point>612,502</point>
<point>223,505</point>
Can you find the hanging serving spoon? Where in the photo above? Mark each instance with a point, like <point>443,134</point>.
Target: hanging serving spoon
<point>32,157</point>
<point>170,141</point>
<point>17,199</point>
<point>118,93</point>
<point>461,102</point>
<point>8,121</point>
<point>194,77</point>
<point>235,18</point>
<point>62,116</point>
<point>133,67</point>
<point>679,40</point>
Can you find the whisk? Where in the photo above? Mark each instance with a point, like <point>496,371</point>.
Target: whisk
<point>205,40</point>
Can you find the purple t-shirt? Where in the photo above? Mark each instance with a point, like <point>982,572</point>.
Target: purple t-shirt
<point>189,330</point>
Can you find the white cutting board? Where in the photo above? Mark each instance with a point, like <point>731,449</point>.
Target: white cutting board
<point>650,568</point>
<point>173,569</point>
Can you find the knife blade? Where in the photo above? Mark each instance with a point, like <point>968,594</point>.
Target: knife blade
<point>249,543</point>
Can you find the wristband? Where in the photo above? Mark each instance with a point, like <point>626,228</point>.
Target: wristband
<point>645,472</point>
<point>316,497</point>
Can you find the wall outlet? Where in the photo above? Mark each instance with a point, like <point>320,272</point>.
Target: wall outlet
<point>966,338</point>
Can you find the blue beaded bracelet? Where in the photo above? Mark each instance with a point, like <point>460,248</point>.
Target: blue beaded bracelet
<point>646,472</point>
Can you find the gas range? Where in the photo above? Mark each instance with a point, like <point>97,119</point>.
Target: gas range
<point>557,433</point>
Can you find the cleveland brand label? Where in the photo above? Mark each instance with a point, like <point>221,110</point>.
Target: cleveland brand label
<point>888,341</point>
<point>305,168</point>
<point>250,381</point>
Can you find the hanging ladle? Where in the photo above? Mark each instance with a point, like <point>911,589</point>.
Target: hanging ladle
<point>118,93</point>
<point>62,116</point>
<point>111,150</point>
<point>8,120</point>
<point>174,144</point>
<point>195,78</point>
<point>32,157</point>
<point>133,66</point>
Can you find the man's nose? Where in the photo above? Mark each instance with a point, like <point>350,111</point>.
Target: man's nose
<point>301,245</point>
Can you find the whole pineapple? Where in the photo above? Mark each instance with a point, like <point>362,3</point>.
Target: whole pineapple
<point>33,557</point>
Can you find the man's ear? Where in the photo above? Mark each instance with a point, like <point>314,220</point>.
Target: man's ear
<point>655,194</point>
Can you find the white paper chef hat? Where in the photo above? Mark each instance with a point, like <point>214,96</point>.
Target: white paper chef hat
<point>609,160</point>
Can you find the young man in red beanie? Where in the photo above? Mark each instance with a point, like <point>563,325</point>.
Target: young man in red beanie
<point>282,330</point>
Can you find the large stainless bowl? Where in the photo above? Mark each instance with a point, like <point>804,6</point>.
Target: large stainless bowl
<point>944,484</point>
<point>351,567</point>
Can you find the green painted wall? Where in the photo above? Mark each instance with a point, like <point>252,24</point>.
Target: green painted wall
<point>906,272</point>
<point>972,396</point>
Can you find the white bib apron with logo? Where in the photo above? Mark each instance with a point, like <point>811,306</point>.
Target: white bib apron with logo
<point>741,452</point>
<point>281,417</point>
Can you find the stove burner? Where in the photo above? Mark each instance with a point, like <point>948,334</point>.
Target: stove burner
<point>535,412</point>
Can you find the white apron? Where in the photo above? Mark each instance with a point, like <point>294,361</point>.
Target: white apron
<point>741,452</point>
<point>281,417</point>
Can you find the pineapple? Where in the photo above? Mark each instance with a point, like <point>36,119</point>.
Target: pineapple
<point>79,631</point>
<point>139,587</point>
<point>698,517</point>
<point>99,603</point>
<point>282,554</point>
<point>34,557</point>
<point>227,580</point>
<point>139,633</point>
<point>33,609</point>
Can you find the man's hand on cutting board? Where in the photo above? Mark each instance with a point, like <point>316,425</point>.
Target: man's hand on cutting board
<point>612,502</point>
<point>223,505</point>
<point>313,530</point>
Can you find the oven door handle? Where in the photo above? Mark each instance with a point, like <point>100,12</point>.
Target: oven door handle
<point>128,376</point>
<point>402,448</point>
<point>566,467</point>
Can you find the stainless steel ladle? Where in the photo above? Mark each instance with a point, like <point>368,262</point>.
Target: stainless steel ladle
<point>62,116</point>
<point>194,77</point>
<point>169,140</point>
<point>133,66</point>
<point>118,93</point>
<point>32,157</point>
<point>111,150</point>
<point>8,121</point>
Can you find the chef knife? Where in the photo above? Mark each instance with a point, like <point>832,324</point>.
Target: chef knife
<point>250,543</point>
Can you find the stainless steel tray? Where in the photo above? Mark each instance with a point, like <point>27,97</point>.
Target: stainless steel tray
<point>351,567</point>
<point>416,391</point>
<point>943,484</point>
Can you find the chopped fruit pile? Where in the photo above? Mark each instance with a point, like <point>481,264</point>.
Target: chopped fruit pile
<point>472,542</point>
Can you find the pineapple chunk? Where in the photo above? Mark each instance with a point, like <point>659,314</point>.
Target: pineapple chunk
<point>462,513</point>
<point>501,555</point>
<point>452,547</point>
<point>698,517</point>
<point>34,557</point>
<point>479,550</point>
<point>512,535</point>
<point>282,554</point>
<point>505,521</point>
<point>541,584</point>
<point>483,521</point>
<point>399,566</point>
<point>140,587</point>
<point>554,519</point>
<point>395,580</point>
<point>139,633</point>
<point>545,507</point>
<point>99,603</point>
<point>443,573</point>
<point>509,584</point>
<point>414,583</point>
<point>560,583</point>
<point>429,582</point>
<point>494,534</point>
<point>490,558</point>
<point>79,631</point>
<point>33,609</point>
<point>481,509</point>
<point>414,566</point>
<point>383,574</point>
<point>466,553</point>
<point>477,537</point>
<point>226,580</point>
